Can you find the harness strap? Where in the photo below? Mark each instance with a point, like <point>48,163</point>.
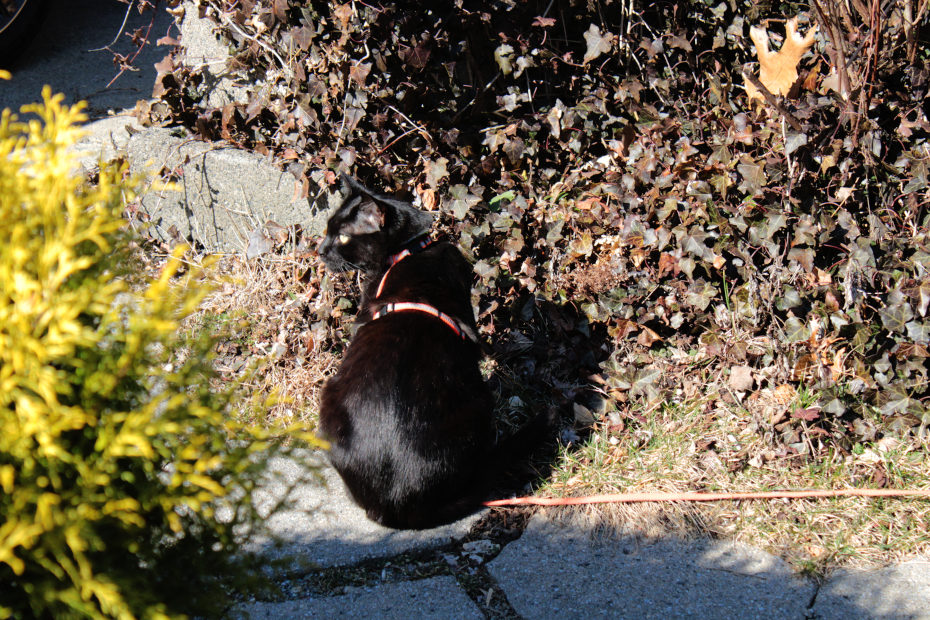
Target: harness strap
<point>418,245</point>
<point>421,243</point>
<point>425,308</point>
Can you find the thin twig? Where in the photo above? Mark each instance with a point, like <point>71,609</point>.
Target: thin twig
<point>122,27</point>
<point>284,66</point>
<point>412,123</point>
<point>770,98</point>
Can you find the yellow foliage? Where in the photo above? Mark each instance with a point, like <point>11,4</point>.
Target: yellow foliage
<point>114,450</point>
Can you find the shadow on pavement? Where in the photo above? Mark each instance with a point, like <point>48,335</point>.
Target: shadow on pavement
<point>60,55</point>
<point>560,567</point>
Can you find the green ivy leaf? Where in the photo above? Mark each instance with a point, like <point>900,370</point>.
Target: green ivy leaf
<point>918,332</point>
<point>895,317</point>
<point>753,176</point>
<point>790,299</point>
<point>508,195</point>
<point>554,234</point>
<point>896,400</point>
<point>796,330</point>
<point>644,380</point>
<point>460,200</point>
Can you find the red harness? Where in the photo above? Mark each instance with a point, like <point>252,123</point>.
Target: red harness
<point>428,309</point>
<point>421,245</point>
<point>403,306</point>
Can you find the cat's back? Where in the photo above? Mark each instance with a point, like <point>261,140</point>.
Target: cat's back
<point>411,370</point>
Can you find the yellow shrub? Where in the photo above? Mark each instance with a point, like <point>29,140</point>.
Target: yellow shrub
<point>115,453</point>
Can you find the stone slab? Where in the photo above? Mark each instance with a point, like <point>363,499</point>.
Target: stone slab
<point>900,592</point>
<point>326,528</point>
<point>222,194</point>
<point>559,571</point>
<point>438,598</point>
<point>106,138</point>
<point>204,49</point>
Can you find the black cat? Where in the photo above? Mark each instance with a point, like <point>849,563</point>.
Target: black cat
<point>408,414</point>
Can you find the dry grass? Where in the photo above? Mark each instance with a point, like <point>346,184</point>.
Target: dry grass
<point>274,314</point>
<point>709,446</point>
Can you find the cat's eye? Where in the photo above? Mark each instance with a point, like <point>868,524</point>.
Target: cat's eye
<point>343,239</point>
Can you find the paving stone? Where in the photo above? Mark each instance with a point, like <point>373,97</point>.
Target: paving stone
<point>558,571</point>
<point>437,597</point>
<point>326,528</point>
<point>901,591</point>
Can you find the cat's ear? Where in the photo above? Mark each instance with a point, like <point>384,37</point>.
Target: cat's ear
<point>350,185</point>
<point>369,217</point>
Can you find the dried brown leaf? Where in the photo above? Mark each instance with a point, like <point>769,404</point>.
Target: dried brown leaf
<point>741,378</point>
<point>597,43</point>
<point>779,70</point>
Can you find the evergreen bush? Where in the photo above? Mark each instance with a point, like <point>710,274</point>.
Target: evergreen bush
<point>126,478</point>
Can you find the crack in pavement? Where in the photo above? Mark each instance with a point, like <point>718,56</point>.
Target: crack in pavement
<point>464,560</point>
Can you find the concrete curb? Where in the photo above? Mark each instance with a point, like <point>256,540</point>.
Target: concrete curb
<point>222,194</point>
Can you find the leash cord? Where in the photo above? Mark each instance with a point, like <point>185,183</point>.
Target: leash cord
<point>698,496</point>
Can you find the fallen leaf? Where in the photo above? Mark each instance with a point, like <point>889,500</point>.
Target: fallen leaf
<point>779,70</point>
<point>879,477</point>
<point>276,232</point>
<point>647,337</point>
<point>582,245</point>
<point>358,73</point>
<point>598,43</point>
<point>428,196</point>
<point>814,551</point>
<point>436,171</point>
<point>680,43</point>
<point>668,264</point>
<point>481,545</point>
<point>258,244</point>
<point>503,55</point>
<point>279,10</point>
<point>583,415</point>
<point>416,57</point>
<point>843,194</point>
<point>808,415</point>
<point>810,82</point>
<point>832,82</point>
<point>784,393</point>
<point>343,12</point>
<point>741,378</point>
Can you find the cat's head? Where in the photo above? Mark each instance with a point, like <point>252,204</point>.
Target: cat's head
<point>367,228</point>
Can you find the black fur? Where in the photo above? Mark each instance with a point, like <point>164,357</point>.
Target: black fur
<point>408,414</point>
